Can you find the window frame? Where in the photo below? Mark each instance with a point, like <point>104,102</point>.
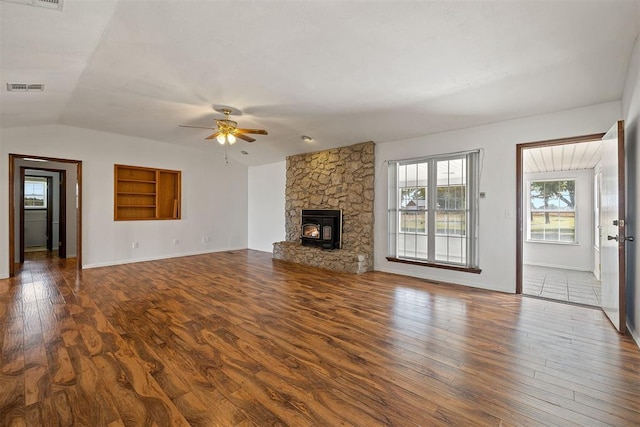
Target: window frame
<point>471,176</point>
<point>530,211</point>
<point>40,180</point>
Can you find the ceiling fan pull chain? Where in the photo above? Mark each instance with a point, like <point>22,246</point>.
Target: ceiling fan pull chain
<point>226,156</point>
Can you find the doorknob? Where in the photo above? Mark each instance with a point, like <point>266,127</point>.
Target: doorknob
<point>622,239</point>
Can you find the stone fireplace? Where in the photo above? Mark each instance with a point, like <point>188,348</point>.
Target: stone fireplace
<point>338,180</point>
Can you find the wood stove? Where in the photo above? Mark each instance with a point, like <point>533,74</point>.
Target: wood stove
<point>321,228</point>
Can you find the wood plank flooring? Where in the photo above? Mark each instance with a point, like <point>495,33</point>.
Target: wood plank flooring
<point>238,339</point>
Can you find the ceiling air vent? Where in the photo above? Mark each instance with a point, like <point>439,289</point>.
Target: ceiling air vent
<point>25,87</point>
<point>48,4</point>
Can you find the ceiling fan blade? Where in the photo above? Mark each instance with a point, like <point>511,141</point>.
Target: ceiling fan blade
<point>197,127</point>
<point>257,131</point>
<point>213,135</point>
<point>245,137</point>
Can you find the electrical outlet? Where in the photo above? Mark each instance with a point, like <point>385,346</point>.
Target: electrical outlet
<point>176,241</point>
<point>134,245</point>
<point>205,239</point>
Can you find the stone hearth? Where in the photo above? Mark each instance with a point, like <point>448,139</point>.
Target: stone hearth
<point>340,178</point>
<point>338,260</point>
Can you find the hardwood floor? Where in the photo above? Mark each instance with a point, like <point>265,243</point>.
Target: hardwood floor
<point>236,338</point>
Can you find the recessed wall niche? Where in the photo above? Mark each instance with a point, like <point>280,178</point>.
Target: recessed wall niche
<point>146,193</point>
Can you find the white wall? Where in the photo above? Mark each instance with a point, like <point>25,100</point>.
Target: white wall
<point>267,185</point>
<point>631,115</point>
<point>214,196</point>
<point>497,211</point>
<point>577,256</point>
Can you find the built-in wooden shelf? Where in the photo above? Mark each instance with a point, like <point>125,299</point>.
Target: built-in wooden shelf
<point>146,193</point>
<point>124,193</point>
<point>137,180</point>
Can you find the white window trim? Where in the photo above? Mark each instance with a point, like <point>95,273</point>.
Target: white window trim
<point>576,241</point>
<point>38,179</point>
<point>473,197</point>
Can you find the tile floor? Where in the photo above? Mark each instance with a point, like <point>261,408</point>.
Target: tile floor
<point>580,287</point>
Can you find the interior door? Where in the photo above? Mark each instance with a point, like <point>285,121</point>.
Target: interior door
<point>612,249</point>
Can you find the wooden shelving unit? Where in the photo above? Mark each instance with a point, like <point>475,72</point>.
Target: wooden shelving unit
<point>146,193</point>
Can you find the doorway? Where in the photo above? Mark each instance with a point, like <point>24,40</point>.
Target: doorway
<point>559,238</point>
<point>52,201</point>
<point>43,212</point>
<point>558,235</point>
<point>611,214</point>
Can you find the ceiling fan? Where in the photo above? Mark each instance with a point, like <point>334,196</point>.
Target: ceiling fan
<point>228,131</point>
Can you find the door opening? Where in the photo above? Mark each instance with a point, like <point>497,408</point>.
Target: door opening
<point>558,237</point>
<point>562,204</point>
<point>44,194</point>
<point>42,224</point>
<point>37,209</point>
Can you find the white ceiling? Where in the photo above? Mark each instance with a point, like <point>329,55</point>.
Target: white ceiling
<point>568,157</point>
<point>342,72</point>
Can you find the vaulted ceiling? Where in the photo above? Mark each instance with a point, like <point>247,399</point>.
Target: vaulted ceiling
<point>341,72</point>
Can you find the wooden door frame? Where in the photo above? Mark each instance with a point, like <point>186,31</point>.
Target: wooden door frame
<point>520,190</point>
<point>12,205</point>
<point>21,201</point>
<point>49,213</point>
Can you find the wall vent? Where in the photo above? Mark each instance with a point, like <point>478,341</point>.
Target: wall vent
<point>25,87</point>
<point>48,4</point>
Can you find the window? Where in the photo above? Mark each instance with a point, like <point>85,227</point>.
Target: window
<point>552,211</point>
<point>35,192</point>
<point>433,210</point>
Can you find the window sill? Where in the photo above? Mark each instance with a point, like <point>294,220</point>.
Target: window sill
<point>554,243</point>
<point>434,265</point>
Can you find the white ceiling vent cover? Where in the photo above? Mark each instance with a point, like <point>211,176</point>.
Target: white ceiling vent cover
<point>24,87</point>
<point>48,4</point>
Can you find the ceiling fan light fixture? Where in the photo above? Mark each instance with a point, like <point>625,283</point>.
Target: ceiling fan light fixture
<point>227,131</point>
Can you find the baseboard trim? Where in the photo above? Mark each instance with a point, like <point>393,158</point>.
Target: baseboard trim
<point>563,267</point>
<point>155,258</point>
